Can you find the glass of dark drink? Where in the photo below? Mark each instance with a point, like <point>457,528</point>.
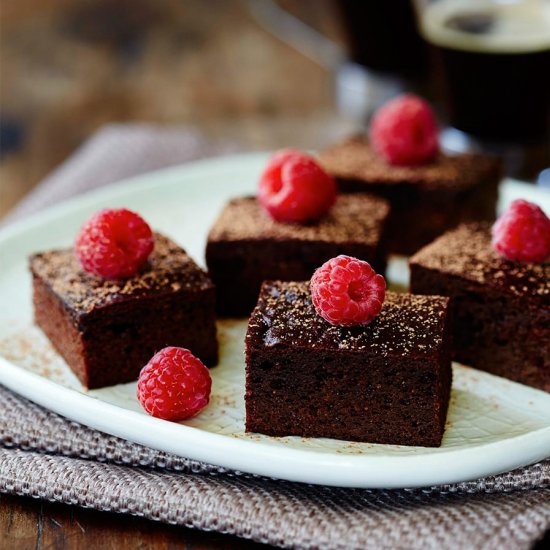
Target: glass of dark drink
<point>493,60</point>
<point>385,54</point>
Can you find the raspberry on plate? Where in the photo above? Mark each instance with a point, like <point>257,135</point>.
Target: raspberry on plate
<point>294,188</point>
<point>404,131</point>
<point>522,233</point>
<point>347,291</point>
<point>174,385</point>
<point>114,243</point>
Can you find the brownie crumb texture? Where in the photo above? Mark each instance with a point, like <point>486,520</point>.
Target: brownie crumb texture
<point>355,159</point>
<point>407,323</point>
<point>107,330</point>
<point>467,252</point>
<point>168,269</point>
<point>501,308</point>
<point>426,200</point>
<point>356,219</point>
<point>387,382</point>
<point>245,246</point>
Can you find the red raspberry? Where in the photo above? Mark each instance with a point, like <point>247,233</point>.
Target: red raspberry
<point>114,243</point>
<point>404,131</point>
<point>346,291</point>
<point>522,233</point>
<point>294,188</point>
<point>174,385</point>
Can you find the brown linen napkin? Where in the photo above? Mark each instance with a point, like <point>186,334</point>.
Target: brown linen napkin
<point>45,455</point>
<point>116,152</point>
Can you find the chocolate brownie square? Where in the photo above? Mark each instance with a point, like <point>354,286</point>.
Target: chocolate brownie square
<point>107,330</point>
<point>246,246</point>
<point>425,200</point>
<point>386,382</point>
<point>501,309</point>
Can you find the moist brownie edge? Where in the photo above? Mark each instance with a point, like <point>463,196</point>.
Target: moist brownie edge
<point>466,253</point>
<point>355,160</point>
<point>168,269</point>
<point>378,394</point>
<point>426,200</point>
<point>245,246</point>
<point>355,219</point>
<point>501,309</point>
<point>107,330</point>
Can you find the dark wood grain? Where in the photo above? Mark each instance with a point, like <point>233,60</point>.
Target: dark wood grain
<point>27,523</point>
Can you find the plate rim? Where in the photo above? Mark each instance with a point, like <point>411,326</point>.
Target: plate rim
<point>140,182</point>
<point>358,471</point>
<point>344,470</point>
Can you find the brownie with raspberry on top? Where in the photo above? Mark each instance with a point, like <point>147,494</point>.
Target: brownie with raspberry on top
<point>119,296</point>
<point>429,191</point>
<point>499,282</point>
<point>340,358</point>
<point>296,223</point>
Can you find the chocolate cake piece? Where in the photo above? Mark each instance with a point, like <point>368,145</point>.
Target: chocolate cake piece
<point>425,200</point>
<point>107,330</point>
<point>387,382</point>
<point>501,309</point>
<point>246,246</point>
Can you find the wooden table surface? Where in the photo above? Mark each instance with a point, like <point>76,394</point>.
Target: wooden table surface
<point>28,523</point>
<point>66,69</point>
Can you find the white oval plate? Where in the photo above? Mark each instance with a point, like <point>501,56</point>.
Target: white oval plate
<point>493,425</point>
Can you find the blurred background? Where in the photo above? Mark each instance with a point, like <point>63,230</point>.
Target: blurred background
<point>266,74</point>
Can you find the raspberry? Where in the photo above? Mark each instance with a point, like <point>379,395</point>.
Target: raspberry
<point>174,385</point>
<point>294,188</point>
<point>522,233</point>
<point>404,131</point>
<point>347,291</point>
<point>114,243</point>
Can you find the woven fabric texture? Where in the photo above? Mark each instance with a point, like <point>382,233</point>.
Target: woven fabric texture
<point>47,456</point>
